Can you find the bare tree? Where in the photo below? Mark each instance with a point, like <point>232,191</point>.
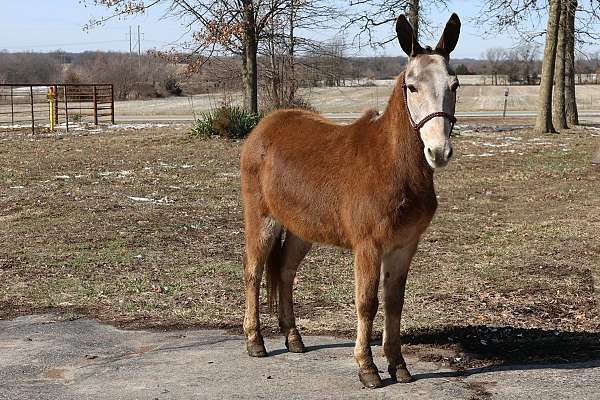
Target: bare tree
<point>413,12</point>
<point>218,26</point>
<point>520,64</point>
<point>524,18</point>
<point>282,46</point>
<point>495,57</point>
<point>544,105</point>
<point>570,98</point>
<point>527,54</point>
<point>369,15</point>
<point>558,100</point>
<point>29,67</point>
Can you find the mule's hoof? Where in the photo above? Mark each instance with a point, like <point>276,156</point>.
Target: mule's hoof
<point>295,345</point>
<point>370,379</point>
<point>400,374</point>
<point>256,349</point>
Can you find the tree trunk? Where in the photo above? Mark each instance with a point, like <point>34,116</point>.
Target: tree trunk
<point>570,99</point>
<point>291,53</point>
<point>276,97</point>
<point>558,101</point>
<point>250,70</point>
<point>244,75</point>
<point>413,15</point>
<point>544,104</point>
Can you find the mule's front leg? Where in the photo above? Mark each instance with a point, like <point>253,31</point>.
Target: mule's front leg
<point>366,277</point>
<point>395,271</point>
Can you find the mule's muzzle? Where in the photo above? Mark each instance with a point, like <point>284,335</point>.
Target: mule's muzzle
<point>439,157</point>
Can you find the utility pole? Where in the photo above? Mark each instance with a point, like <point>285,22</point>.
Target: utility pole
<point>130,41</point>
<point>139,50</point>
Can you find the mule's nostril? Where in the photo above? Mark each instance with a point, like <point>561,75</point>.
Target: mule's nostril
<point>450,153</point>
<point>431,153</point>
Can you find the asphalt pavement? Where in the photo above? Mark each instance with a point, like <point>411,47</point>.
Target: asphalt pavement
<point>43,357</point>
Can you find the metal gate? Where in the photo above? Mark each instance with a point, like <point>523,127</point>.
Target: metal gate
<point>55,105</point>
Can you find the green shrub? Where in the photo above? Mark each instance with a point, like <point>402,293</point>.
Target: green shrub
<point>204,126</point>
<point>228,122</point>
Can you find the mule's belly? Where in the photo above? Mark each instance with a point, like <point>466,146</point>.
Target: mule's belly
<point>314,223</point>
<point>346,223</point>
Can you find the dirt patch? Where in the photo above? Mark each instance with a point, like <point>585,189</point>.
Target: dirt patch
<point>62,374</point>
<point>479,390</point>
<point>143,228</point>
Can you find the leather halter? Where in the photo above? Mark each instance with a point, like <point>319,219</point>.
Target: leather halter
<point>417,127</point>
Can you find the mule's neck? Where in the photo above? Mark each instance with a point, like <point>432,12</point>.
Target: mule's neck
<point>405,143</point>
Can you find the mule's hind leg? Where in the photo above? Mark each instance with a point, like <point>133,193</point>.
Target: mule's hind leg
<point>260,233</point>
<point>395,270</point>
<point>294,250</point>
<point>366,279</point>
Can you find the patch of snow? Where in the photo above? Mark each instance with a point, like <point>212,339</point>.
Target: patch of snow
<point>138,126</point>
<point>164,200</point>
<point>119,174</point>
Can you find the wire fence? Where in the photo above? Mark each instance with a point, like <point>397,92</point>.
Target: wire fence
<point>55,105</point>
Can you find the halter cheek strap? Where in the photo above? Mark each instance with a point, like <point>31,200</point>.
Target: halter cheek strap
<point>417,126</point>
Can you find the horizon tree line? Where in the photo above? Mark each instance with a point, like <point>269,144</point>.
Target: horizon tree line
<point>245,28</point>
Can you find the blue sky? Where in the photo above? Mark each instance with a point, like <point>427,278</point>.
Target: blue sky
<point>46,25</point>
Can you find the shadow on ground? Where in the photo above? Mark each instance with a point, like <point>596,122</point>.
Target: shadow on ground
<point>508,345</point>
<point>481,349</point>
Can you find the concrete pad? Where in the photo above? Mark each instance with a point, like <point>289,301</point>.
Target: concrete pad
<point>42,357</point>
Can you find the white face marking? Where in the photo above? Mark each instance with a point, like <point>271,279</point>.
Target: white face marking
<point>432,88</point>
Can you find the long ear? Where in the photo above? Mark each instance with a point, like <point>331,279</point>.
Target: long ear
<point>450,36</point>
<point>406,37</point>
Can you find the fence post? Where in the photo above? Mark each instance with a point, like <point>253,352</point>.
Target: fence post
<point>66,108</point>
<point>112,104</point>
<point>12,107</point>
<point>32,112</point>
<point>95,106</point>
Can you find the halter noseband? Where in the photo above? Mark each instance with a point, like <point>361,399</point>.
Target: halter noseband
<point>417,127</point>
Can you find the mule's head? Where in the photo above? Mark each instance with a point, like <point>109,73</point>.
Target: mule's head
<point>430,89</point>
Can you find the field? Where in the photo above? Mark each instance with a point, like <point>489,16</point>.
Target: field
<point>143,228</point>
<point>472,98</point>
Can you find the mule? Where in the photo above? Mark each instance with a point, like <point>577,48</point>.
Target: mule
<point>367,186</point>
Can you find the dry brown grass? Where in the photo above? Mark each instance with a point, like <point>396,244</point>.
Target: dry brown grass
<point>514,242</point>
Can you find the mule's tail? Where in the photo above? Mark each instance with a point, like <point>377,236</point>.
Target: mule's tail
<point>273,271</point>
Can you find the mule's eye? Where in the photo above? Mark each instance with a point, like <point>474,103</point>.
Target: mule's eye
<point>412,88</point>
<point>454,86</point>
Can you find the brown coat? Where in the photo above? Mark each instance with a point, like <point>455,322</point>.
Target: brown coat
<point>341,184</point>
